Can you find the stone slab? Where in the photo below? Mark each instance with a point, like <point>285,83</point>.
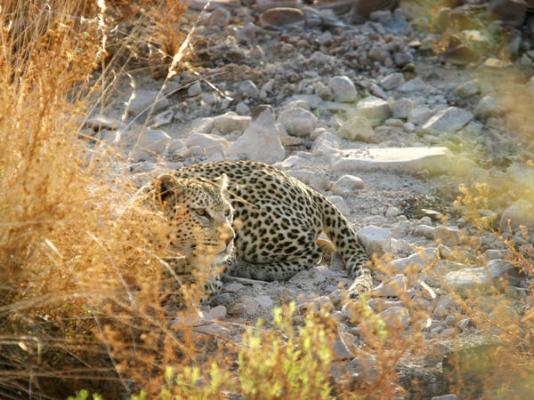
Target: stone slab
<point>434,160</point>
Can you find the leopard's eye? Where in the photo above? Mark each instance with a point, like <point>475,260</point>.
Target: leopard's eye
<point>201,212</point>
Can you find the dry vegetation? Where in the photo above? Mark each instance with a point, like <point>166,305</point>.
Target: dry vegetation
<point>83,293</point>
<point>71,247</point>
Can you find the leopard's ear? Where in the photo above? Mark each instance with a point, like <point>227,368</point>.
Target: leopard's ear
<point>165,187</point>
<point>222,182</point>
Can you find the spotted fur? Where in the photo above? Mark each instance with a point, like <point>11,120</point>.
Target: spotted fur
<point>199,217</point>
<point>277,219</point>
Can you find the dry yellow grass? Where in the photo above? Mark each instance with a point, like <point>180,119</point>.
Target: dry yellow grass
<point>71,251</point>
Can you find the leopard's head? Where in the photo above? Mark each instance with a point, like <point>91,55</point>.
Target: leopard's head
<point>200,217</point>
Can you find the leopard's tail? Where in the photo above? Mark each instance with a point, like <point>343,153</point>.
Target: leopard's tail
<point>338,229</point>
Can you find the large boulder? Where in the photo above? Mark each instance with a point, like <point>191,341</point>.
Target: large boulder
<point>448,120</point>
<point>260,141</point>
<point>298,121</point>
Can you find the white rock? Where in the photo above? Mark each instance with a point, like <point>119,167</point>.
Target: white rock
<point>242,108</point>
<point>326,143</point>
<point>248,88</point>
<point>468,278</point>
<point>233,287</point>
<point>310,177</point>
<point>409,127</point>
<point>195,89</point>
<point>298,103</point>
<point>151,143</point>
<point>321,58</point>
<point>267,87</point>
<point>374,109</point>
<point>402,108</point>
<point>420,114</point>
<point>364,367</point>
<point>209,98</point>
<point>468,89</point>
<point>498,268</point>
<point>163,118</point>
<point>357,127</point>
<point>394,123</point>
<point>246,305</point>
<point>175,146</point>
<point>217,312</point>
<point>294,161</point>
<point>341,351</point>
<point>414,85</point>
<point>320,274</point>
<point>214,329</point>
<point>400,247</point>
<point>450,119</point>
<point>402,227</point>
<point>392,212</point>
<point>225,103</point>
<point>347,184</point>
<point>376,90</point>
<point>322,90</point>
<point>493,254</point>
<point>402,58</point>
<point>444,306</point>
<point>424,230</point>
<point>99,122</point>
<point>230,122</point>
<point>307,101</point>
<point>418,260</point>
<point>379,52</point>
<point>425,220</point>
<point>260,141</point>
<point>201,125</point>
<point>208,142</point>
<point>265,301</point>
<point>141,167</point>
<point>434,160</point>
<point>317,132</point>
<point>487,107</point>
<point>448,235</point>
<point>335,106</point>
<point>298,121</point>
<point>343,89</point>
<point>481,277</point>
<point>145,99</point>
<point>396,316</point>
<point>375,239</point>
<point>393,287</point>
<point>392,81</point>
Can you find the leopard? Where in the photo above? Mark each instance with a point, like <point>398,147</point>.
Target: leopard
<point>256,221</point>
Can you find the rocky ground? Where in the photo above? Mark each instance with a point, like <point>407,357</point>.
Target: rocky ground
<point>364,111</point>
